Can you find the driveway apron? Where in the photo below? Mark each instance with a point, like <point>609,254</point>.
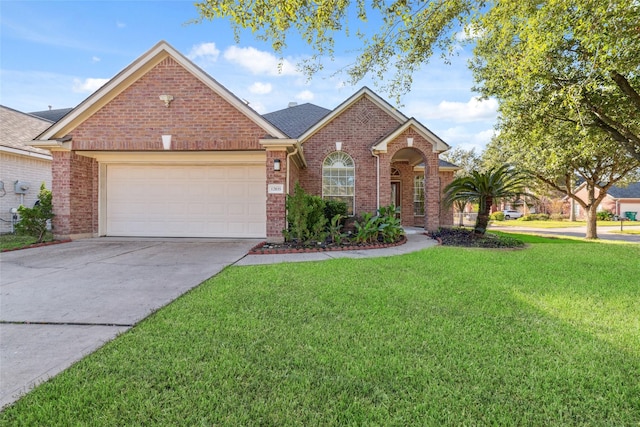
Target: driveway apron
<point>59,303</point>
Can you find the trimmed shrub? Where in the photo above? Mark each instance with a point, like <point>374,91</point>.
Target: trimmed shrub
<point>604,215</point>
<point>534,217</point>
<point>33,221</point>
<point>333,208</point>
<point>497,216</point>
<point>305,216</point>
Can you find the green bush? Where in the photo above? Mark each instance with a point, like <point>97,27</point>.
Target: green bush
<point>333,208</point>
<point>305,216</point>
<point>557,217</point>
<point>385,226</point>
<point>534,217</point>
<point>497,216</point>
<point>604,215</point>
<point>33,221</point>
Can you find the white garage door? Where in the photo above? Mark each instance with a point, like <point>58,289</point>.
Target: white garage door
<point>185,201</point>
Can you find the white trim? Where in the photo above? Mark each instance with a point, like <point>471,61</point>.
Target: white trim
<point>364,92</point>
<point>438,144</point>
<point>25,153</point>
<point>178,157</point>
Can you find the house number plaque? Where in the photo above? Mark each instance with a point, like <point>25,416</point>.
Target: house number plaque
<point>276,188</point>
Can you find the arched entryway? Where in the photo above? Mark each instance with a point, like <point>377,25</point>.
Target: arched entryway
<point>407,182</point>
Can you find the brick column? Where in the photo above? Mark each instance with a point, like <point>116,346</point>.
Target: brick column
<point>276,211</point>
<point>432,203</point>
<point>61,193</point>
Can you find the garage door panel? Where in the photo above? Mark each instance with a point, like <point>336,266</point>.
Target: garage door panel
<point>185,201</point>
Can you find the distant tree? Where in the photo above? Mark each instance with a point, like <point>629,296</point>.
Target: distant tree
<point>558,154</point>
<point>502,183</point>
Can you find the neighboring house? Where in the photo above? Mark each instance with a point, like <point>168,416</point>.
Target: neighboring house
<point>23,168</point>
<point>164,150</point>
<point>618,200</point>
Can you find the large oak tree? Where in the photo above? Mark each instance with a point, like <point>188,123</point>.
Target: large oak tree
<point>576,58</point>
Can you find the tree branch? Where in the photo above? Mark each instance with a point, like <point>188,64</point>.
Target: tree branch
<point>626,87</point>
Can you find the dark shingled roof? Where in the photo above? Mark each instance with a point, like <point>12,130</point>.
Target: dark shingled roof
<point>294,121</point>
<point>445,164</point>
<point>632,191</point>
<point>52,115</point>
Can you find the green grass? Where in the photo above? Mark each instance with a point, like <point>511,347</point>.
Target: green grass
<point>548,335</point>
<point>17,241</point>
<point>554,224</point>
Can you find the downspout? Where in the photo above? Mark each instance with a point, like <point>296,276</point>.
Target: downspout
<point>377,156</point>
<point>293,153</point>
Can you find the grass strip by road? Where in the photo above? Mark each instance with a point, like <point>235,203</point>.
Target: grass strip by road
<point>548,335</point>
<point>559,224</point>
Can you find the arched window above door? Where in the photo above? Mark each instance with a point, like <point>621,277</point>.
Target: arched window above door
<point>338,179</point>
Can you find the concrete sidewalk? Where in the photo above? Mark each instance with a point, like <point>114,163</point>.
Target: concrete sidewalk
<point>416,240</point>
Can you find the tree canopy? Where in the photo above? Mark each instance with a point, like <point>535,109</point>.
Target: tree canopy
<point>577,59</point>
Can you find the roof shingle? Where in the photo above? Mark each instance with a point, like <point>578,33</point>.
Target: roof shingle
<point>295,120</point>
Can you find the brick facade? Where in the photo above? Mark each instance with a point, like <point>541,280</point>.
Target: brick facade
<point>199,118</point>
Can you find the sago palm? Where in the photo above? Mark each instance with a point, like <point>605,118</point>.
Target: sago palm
<point>486,188</point>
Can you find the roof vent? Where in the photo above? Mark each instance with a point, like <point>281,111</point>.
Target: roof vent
<point>293,104</point>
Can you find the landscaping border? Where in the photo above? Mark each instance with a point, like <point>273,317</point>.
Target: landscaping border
<point>263,248</point>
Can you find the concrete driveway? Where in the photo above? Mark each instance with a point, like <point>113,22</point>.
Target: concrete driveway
<point>59,303</point>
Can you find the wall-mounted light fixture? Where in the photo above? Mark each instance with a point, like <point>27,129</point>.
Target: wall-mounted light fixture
<point>409,142</point>
<point>276,165</point>
<point>166,142</point>
<point>338,146</point>
<point>167,99</point>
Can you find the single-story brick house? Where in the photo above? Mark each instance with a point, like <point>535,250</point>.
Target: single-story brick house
<point>619,200</point>
<point>164,150</point>
<point>23,168</point>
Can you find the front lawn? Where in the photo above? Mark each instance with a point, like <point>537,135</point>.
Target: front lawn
<point>16,241</point>
<point>555,224</point>
<point>548,335</point>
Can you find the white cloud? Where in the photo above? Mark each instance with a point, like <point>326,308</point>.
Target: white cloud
<point>260,62</point>
<point>474,110</point>
<point>120,24</point>
<point>206,53</point>
<point>95,59</point>
<point>466,138</point>
<point>88,85</point>
<point>305,95</point>
<point>260,88</point>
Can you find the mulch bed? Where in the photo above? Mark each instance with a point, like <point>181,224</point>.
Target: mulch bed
<point>265,248</point>
<point>466,238</point>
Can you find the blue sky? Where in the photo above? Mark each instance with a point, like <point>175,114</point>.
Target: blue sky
<point>58,52</point>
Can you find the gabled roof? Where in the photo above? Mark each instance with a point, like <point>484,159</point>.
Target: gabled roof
<point>364,92</point>
<point>52,115</point>
<point>632,191</point>
<point>295,120</point>
<point>443,164</point>
<point>130,75</point>
<point>18,129</point>
<point>438,144</point>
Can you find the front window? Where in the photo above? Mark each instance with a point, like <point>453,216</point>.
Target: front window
<point>338,179</point>
<point>418,195</point>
